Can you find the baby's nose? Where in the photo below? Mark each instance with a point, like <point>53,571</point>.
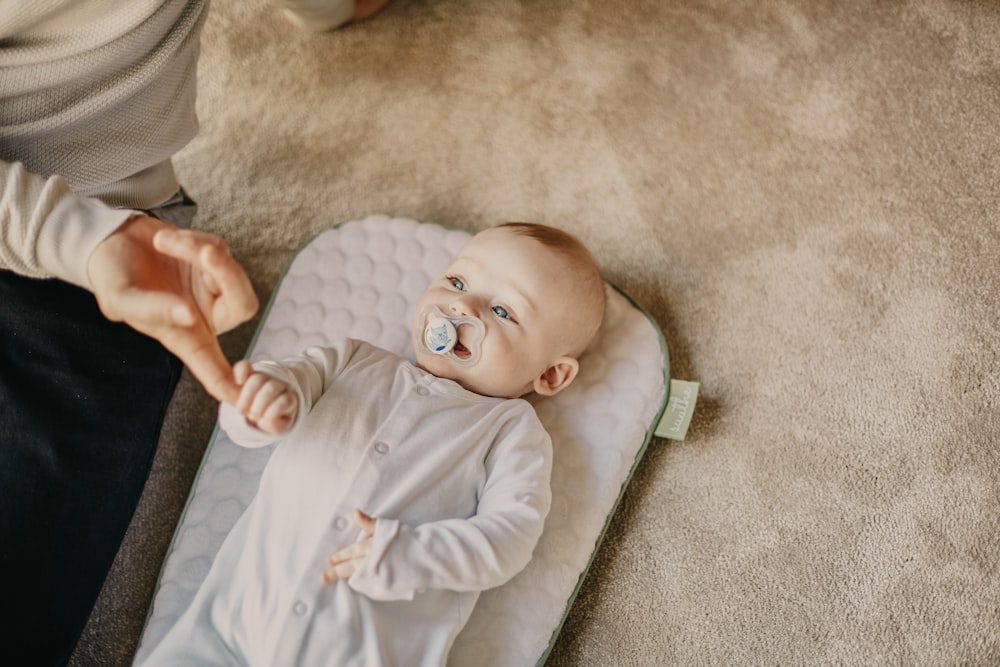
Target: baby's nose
<point>463,307</point>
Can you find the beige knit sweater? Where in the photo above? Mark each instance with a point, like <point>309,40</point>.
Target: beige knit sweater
<point>95,97</point>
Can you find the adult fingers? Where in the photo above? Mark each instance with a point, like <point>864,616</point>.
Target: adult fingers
<point>221,274</point>
<point>148,312</point>
<point>197,347</point>
<point>242,370</point>
<point>224,277</point>
<point>204,358</point>
<point>186,244</point>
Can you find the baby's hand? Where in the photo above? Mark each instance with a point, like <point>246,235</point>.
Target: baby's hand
<point>266,402</point>
<point>344,562</point>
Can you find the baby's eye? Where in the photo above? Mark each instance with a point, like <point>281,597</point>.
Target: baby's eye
<point>457,284</point>
<point>502,313</point>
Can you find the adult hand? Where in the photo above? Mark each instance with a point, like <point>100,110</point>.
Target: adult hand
<point>180,287</point>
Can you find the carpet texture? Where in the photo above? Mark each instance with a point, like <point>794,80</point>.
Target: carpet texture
<point>804,195</point>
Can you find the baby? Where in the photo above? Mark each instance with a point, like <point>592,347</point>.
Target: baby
<point>399,491</point>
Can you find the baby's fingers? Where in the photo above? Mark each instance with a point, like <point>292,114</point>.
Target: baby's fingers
<point>367,523</point>
<point>337,572</point>
<point>344,562</point>
<point>280,414</point>
<point>271,392</point>
<point>356,551</point>
<point>248,393</point>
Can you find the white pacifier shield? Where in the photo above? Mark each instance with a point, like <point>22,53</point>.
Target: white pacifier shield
<point>441,335</point>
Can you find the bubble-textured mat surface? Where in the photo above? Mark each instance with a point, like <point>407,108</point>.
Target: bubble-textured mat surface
<point>362,279</point>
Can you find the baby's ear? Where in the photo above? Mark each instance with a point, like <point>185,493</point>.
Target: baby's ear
<point>557,377</point>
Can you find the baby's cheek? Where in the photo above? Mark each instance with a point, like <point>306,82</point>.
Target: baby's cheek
<point>438,365</point>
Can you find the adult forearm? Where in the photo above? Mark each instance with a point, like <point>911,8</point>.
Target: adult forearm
<point>48,231</point>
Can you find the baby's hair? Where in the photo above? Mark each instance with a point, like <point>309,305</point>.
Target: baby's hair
<point>589,280</point>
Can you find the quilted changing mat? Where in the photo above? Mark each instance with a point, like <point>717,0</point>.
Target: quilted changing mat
<point>362,279</point>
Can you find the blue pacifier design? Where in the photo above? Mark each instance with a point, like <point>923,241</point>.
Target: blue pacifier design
<point>441,335</point>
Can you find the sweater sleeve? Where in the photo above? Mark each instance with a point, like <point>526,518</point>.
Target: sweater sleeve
<point>308,375</point>
<point>48,231</point>
<point>472,554</point>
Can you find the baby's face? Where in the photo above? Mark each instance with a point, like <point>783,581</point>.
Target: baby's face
<point>518,289</point>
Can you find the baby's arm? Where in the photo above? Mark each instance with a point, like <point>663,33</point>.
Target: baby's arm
<point>474,554</point>
<point>305,378</point>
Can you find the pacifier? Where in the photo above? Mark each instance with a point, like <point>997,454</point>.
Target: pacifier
<point>441,335</point>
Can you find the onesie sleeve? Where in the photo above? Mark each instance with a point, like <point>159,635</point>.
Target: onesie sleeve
<point>48,231</point>
<point>308,375</point>
<point>472,554</point>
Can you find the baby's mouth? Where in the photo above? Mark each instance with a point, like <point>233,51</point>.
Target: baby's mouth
<point>457,337</point>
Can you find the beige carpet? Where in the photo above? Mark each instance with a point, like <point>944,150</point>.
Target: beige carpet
<point>803,194</point>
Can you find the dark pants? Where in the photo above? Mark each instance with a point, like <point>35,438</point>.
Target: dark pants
<point>82,400</point>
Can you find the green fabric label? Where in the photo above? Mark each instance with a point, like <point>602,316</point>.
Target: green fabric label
<point>680,406</point>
